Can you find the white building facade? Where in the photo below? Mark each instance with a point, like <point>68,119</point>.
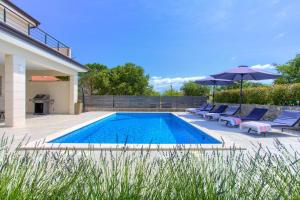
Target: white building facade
<point>27,52</point>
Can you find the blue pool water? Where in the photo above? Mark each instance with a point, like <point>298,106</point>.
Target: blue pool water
<point>138,128</point>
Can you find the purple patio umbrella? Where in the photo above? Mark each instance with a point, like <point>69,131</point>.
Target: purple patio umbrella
<point>242,73</point>
<point>213,81</point>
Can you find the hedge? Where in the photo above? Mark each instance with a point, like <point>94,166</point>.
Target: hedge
<point>287,95</point>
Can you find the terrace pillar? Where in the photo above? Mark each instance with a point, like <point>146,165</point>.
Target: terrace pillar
<point>15,90</point>
<point>73,94</point>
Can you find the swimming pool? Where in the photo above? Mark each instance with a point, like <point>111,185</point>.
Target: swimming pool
<point>138,128</point>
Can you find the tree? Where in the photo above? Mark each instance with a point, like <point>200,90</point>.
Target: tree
<point>171,92</point>
<point>96,80</point>
<point>290,71</point>
<point>193,89</point>
<point>128,79</point>
<point>151,92</point>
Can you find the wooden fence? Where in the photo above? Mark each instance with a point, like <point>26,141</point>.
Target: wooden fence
<point>141,103</point>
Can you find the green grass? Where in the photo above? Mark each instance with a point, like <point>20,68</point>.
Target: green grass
<point>177,174</point>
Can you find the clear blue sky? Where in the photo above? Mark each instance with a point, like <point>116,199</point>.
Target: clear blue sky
<point>174,40</point>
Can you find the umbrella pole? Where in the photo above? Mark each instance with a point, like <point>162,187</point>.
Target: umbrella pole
<point>241,92</point>
<point>213,99</point>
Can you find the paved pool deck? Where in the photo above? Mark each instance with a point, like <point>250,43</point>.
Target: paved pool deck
<point>40,127</point>
<point>249,141</point>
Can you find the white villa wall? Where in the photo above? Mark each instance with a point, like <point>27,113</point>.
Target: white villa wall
<point>59,91</point>
<point>18,89</point>
<point>15,90</point>
<point>2,105</point>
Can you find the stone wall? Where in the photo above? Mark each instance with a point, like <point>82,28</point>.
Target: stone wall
<point>273,110</point>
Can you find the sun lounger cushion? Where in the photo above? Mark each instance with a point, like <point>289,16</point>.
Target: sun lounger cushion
<point>202,113</point>
<point>212,116</point>
<point>255,115</point>
<point>258,127</point>
<point>190,109</point>
<point>230,121</point>
<point>193,110</point>
<point>220,109</point>
<point>196,110</point>
<point>231,110</point>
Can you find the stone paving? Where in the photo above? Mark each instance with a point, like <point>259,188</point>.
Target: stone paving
<point>40,126</point>
<point>289,138</point>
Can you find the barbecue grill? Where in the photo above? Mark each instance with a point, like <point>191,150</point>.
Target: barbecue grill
<point>41,104</point>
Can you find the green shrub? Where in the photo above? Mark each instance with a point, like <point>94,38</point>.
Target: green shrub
<point>288,94</point>
<point>228,96</point>
<point>257,95</point>
<point>280,95</point>
<point>294,94</point>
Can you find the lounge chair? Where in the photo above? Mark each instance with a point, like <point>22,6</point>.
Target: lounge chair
<point>230,111</point>
<point>285,119</point>
<point>207,108</point>
<point>193,110</point>
<point>255,115</point>
<point>219,109</point>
